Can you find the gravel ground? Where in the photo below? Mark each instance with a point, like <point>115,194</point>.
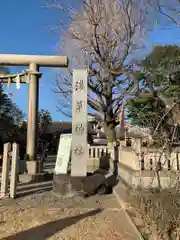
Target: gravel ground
<point>44,216</point>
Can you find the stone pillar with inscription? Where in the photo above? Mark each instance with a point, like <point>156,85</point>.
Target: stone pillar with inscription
<point>72,184</point>
<point>78,182</point>
<point>79,155</point>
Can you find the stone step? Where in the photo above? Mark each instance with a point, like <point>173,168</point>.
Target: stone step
<point>30,188</point>
<point>33,190</point>
<point>25,186</point>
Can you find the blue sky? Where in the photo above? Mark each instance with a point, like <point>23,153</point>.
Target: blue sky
<point>24,29</point>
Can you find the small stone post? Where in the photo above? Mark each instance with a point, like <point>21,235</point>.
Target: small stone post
<point>5,171</point>
<point>14,170</point>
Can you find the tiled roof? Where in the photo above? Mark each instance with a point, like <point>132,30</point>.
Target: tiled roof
<point>59,126</point>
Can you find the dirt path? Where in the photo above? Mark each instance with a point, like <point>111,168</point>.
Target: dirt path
<point>44,216</point>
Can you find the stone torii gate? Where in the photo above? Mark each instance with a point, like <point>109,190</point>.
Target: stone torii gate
<point>31,76</point>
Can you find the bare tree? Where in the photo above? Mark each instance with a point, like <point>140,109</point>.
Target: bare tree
<point>103,37</point>
<point>168,9</point>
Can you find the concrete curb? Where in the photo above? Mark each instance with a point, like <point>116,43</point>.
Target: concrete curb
<point>122,204</point>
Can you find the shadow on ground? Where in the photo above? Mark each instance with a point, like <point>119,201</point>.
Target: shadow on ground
<point>47,230</point>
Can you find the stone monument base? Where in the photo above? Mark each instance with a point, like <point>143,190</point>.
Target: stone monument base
<point>67,186</point>
<point>34,167</point>
<point>32,178</point>
<point>64,185</point>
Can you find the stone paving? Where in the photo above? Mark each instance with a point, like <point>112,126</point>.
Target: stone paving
<point>41,215</point>
<point>44,216</point>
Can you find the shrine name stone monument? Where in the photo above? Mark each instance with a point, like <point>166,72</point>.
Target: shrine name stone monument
<point>79,155</point>
<point>78,182</point>
<point>70,184</point>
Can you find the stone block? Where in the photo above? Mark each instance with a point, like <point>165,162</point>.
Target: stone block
<point>34,167</point>
<point>104,162</point>
<point>66,185</point>
<point>31,178</point>
<point>92,183</point>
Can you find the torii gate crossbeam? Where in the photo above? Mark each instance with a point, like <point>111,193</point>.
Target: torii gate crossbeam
<point>34,62</point>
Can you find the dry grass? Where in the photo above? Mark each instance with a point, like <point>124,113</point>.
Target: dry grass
<point>160,212</point>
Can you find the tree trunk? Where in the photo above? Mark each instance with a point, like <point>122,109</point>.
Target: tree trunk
<point>111,133</point>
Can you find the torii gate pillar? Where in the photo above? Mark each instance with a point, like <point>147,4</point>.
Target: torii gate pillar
<point>34,62</point>
<point>33,103</point>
